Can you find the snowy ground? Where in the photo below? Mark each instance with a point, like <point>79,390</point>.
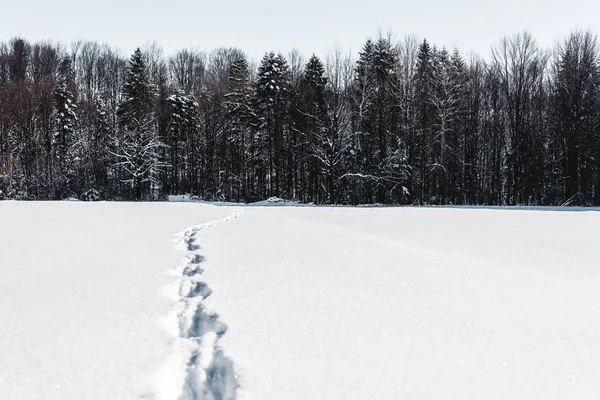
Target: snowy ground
<point>119,301</point>
<point>80,296</point>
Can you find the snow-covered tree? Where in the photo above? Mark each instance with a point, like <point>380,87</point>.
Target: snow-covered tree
<point>137,144</point>
<point>312,128</point>
<point>424,118</point>
<point>376,120</point>
<point>519,64</point>
<point>138,94</point>
<point>445,97</point>
<point>240,119</point>
<point>272,108</point>
<point>64,138</point>
<point>575,116</point>
<point>182,141</point>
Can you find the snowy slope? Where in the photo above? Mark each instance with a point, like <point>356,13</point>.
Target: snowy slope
<point>168,301</point>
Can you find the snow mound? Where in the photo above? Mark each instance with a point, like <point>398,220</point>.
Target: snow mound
<point>275,201</point>
<point>182,198</point>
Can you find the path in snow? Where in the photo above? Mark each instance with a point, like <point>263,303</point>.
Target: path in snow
<point>209,373</point>
<point>80,297</point>
<point>321,303</point>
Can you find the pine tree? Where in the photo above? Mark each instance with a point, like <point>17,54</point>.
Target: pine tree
<point>183,130</point>
<point>137,148</point>
<point>377,120</point>
<point>386,138</point>
<point>362,148</point>
<point>424,120</point>
<point>138,94</point>
<point>312,126</point>
<point>240,118</point>
<point>65,118</point>
<point>99,147</point>
<point>273,112</point>
<point>461,160</point>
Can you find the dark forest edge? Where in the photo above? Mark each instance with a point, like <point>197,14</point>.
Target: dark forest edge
<point>406,123</point>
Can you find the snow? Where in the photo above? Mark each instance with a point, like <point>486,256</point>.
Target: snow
<point>81,296</point>
<point>275,201</point>
<point>180,198</point>
<point>387,303</point>
<point>178,300</point>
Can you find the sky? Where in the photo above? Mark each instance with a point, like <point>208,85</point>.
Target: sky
<point>311,26</point>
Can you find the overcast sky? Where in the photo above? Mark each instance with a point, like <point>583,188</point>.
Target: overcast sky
<point>256,26</point>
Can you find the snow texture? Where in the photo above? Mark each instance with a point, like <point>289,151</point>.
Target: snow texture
<point>82,308</point>
<point>96,301</point>
<point>409,303</point>
<point>208,373</point>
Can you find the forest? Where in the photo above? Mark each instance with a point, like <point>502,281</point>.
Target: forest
<point>402,122</point>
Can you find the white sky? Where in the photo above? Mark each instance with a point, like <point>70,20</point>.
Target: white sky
<point>256,26</point>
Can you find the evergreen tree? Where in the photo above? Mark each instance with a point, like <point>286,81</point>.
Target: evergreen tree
<point>386,139</point>
<point>362,149</point>
<point>99,147</point>
<point>138,94</point>
<point>64,140</point>
<point>405,123</point>
<point>312,128</point>
<point>239,118</point>
<point>424,121</point>
<point>183,131</point>
<point>461,161</point>
<point>137,148</point>
<point>273,112</point>
<point>378,145</point>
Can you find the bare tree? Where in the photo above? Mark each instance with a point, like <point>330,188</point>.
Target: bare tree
<point>575,116</point>
<point>520,65</point>
<point>187,70</point>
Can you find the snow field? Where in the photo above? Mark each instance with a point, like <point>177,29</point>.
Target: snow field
<point>388,303</point>
<point>81,296</point>
<point>106,300</point>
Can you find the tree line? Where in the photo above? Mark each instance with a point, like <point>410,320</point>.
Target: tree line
<point>407,122</point>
